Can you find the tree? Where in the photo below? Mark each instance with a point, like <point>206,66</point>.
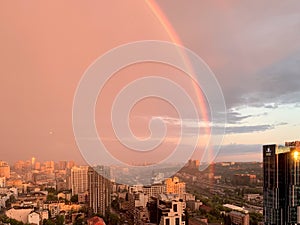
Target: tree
<point>74,198</point>
<point>78,220</point>
<point>60,220</point>
<point>115,204</point>
<point>255,218</point>
<point>48,222</point>
<point>51,190</point>
<point>113,219</point>
<point>5,219</point>
<point>52,197</point>
<point>227,220</point>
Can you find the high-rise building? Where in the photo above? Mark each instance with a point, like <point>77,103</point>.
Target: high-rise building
<point>4,169</point>
<point>99,190</point>
<point>79,179</point>
<point>70,164</point>
<point>33,159</point>
<point>2,182</point>
<point>137,202</point>
<point>48,166</point>
<point>62,165</point>
<point>174,186</point>
<point>37,166</point>
<point>170,210</point>
<point>281,166</point>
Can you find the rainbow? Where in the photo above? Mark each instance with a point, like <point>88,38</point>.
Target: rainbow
<point>163,20</point>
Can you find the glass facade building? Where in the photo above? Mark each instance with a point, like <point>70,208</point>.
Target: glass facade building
<point>281,166</point>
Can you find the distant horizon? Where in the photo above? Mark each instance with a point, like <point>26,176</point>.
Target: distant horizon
<point>85,164</point>
<point>223,156</point>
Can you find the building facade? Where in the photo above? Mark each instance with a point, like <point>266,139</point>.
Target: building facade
<point>79,179</point>
<point>4,169</point>
<point>154,190</point>
<point>174,186</point>
<point>170,210</point>
<point>239,218</point>
<point>99,190</point>
<point>281,165</point>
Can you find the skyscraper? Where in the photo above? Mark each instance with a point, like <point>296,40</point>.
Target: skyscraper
<point>4,169</point>
<point>281,166</point>
<point>79,179</point>
<point>99,190</point>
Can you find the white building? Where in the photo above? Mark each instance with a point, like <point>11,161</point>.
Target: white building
<point>44,215</point>
<point>3,200</point>
<point>138,199</point>
<point>170,210</point>
<point>34,218</point>
<point>54,209</point>
<point>2,182</point>
<point>14,191</point>
<point>18,214</point>
<point>154,190</point>
<point>79,179</point>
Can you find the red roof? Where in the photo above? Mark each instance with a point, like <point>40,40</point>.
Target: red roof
<point>96,221</point>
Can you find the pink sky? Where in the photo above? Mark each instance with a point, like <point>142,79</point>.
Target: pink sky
<point>47,46</point>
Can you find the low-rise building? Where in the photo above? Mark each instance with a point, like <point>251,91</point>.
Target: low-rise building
<point>239,218</point>
<point>34,218</point>
<point>194,205</point>
<point>19,214</point>
<point>154,190</point>
<point>253,197</point>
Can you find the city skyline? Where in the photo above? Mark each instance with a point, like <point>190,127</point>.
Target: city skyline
<point>252,48</point>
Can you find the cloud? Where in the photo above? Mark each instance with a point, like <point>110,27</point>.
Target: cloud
<point>282,124</point>
<point>271,106</point>
<point>254,53</point>
<point>240,152</point>
<point>232,127</point>
<point>249,129</point>
<point>234,117</point>
<point>277,84</point>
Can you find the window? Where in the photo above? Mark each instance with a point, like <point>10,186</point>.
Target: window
<point>175,207</point>
<point>177,221</point>
<point>167,221</point>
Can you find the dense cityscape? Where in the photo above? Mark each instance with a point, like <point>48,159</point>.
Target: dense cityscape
<point>34,192</point>
<point>238,193</point>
